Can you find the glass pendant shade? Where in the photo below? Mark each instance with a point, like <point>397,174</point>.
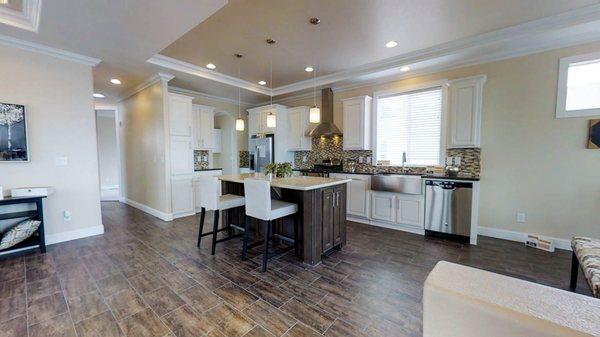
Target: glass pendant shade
<point>271,121</point>
<point>315,115</point>
<point>239,124</point>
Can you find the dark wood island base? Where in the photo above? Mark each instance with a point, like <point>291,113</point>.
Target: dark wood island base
<point>321,213</point>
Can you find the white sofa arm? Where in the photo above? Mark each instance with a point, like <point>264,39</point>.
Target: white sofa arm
<point>460,301</point>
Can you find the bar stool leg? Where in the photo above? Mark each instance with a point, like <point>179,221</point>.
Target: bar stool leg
<point>296,236</point>
<point>215,229</point>
<point>246,230</point>
<point>202,214</point>
<point>267,227</point>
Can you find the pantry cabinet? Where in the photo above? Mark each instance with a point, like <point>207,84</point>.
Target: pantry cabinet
<point>180,115</point>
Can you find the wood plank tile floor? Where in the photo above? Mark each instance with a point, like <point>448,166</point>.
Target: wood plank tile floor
<point>145,277</point>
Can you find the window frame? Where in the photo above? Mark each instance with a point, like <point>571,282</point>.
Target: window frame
<point>561,96</point>
<point>443,84</point>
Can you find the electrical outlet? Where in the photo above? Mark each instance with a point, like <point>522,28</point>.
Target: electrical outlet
<point>66,216</point>
<point>360,159</point>
<point>521,217</point>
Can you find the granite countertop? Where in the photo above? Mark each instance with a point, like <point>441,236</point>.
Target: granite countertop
<point>423,175</point>
<point>301,183</point>
<point>208,169</point>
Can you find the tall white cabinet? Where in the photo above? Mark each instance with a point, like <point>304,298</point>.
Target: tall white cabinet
<point>357,123</point>
<point>181,154</point>
<point>466,97</point>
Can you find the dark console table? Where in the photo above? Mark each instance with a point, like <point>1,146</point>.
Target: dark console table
<point>36,240</point>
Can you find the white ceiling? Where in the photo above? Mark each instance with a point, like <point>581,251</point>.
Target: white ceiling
<point>136,39</point>
<point>352,33</point>
<point>123,34</point>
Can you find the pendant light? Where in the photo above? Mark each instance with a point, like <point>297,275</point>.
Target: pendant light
<point>314,112</point>
<point>239,122</point>
<point>271,118</point>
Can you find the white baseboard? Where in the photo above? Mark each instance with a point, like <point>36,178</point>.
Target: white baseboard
<point>519,236</point>
<point>404,228</point>
<point>144,208</point>
<point>74,234</point>
<point>183,215</point>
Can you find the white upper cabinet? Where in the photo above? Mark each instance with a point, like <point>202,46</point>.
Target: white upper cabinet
<point>357,123</point>
<point>299,126</point>
<point>217,143</point>
<point>180,115</point>
<point>204,124</point>
<point>465,111</point>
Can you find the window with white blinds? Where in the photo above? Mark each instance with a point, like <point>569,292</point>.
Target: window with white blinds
<point>410,123</point>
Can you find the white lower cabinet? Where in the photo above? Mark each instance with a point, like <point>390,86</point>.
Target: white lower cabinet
<point>410,210</point>
<point>383,206</point>
<point>358,195</point>
<point>182,195</point>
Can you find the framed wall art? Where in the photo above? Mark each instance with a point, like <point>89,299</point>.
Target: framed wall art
<point>13,133</point>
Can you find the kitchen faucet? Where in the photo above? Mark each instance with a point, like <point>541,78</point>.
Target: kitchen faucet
<point>403,161</point>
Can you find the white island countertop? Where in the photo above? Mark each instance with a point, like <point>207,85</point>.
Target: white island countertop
<point>300,183</point>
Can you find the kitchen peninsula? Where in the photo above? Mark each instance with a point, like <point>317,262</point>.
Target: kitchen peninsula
<point>321,209</point>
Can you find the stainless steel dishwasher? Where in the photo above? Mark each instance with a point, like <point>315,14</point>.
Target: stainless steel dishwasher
<point>448,208</point>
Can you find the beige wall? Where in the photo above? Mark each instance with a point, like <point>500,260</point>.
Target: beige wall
<point>59,106</point>
<point>531,162</point>
<point>144,160</point>
<point>108,156</point>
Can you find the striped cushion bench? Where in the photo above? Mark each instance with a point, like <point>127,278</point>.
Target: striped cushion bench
<point>586,252</point>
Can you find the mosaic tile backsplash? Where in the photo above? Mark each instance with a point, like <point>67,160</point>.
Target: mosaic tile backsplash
<point>200,160</point>
<point>332,148</point>
<point>244,158</point>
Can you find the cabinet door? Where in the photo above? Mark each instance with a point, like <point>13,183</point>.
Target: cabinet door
<point>182,155</point>
<point>465,112</point>
<point>410,210</point>
<point>353,126</point>
<point>358,195</point>
<point>328,219</point>
<point>382,206</point>
<point>207,124</point>
<point>253,124</point>
<point>182,195</point>
<point>180,115</point>
<point>216,141</point>
<point>339,217</point>
<point>295,137</point>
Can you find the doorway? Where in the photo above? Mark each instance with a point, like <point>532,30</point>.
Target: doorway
<point>109,164</point>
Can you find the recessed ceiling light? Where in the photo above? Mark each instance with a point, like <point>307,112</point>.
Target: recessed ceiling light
<point>211,66</point>
<point>391,44</point>
<point>115,81</point>
<point>97,95</point>
<point>262,82</point>
<point>308,69</point>
<point>405,68</point>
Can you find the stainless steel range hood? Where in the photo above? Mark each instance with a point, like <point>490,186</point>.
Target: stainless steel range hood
<point>326,128</point>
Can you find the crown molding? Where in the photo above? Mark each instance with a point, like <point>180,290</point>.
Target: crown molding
<point>54,52</point>
<point>574,27</point>
<point>158,77</point>
<point>192,69</point>
<point>28,18</point>
<point>198,94</point>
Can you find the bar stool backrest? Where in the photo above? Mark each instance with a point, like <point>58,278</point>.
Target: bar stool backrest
<point>258,198</point>
<point>209,193</point>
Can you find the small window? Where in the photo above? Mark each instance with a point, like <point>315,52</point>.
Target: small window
<point>579,86</point>
<point>410,123</point>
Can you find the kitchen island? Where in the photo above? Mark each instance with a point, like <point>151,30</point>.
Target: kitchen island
<point>321,209</point>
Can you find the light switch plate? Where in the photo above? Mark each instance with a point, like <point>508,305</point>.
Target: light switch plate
<point>521,218</point>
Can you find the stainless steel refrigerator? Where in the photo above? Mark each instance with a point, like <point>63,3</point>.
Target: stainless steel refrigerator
<point>261,151</point>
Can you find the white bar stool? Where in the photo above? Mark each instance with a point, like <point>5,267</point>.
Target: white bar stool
<point>259,205</point>
<point>212,201</point>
